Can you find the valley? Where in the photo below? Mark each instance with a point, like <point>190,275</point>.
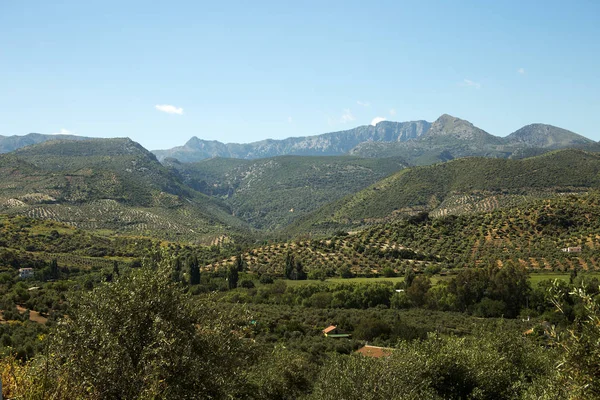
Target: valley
<point>255,257</point>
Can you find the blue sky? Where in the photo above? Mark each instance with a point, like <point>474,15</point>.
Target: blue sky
<point>161,72</point>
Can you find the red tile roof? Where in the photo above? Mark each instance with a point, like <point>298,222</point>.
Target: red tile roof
<point>329,329</point>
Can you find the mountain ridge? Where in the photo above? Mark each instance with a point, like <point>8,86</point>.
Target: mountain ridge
<point>331,143</point>
<point>109,184</point>
<point>418,142</point>
<point>14,142</point>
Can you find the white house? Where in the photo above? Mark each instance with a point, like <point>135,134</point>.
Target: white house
<point>25,273</point>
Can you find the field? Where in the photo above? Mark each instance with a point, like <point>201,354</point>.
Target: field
<point>534,278</point>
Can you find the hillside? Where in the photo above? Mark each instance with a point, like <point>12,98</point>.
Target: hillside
<point>450,138</point>
<point>531,234</point>
<point>112,184</point>
<point>459,186</point>
<point>14,142</point>
<point>334,143</point>
<point>547,136</point>
<point>272,192</point>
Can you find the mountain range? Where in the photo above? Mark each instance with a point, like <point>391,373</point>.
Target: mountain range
<point>417,142</point>
<point>395,169</point>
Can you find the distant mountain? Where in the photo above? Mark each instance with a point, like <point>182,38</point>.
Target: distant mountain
<point>459,186</point>
<point>327,144</point>
<point>418,143</point>
<point>269,193</point>
<point>108,184</point>
<point>547,137</point>
<point>450,137</point>
<point>11,143</point>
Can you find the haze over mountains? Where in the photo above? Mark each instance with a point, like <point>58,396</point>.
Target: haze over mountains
<point>353,178</point>
<point>418,142</point>
<point>14,142</point>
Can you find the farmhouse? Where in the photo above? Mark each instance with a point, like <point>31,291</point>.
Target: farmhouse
<point>572,249</point>
<point>25,273</point>
<point>333,332</point>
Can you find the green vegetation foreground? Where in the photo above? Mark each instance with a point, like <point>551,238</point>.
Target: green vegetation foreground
<point>142,337</point>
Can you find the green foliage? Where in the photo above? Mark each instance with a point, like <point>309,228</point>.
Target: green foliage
<point>579,368</point>
<point>109,184</point>
<point>137,338</point>
<point>232,277</point>
<point>482,367</point>
<point>269,193</point>
<point>194,271</point>
<point>458,187</point>
<point>281,375</point>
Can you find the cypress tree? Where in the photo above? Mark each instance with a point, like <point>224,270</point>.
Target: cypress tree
<point>289,266</point>
<point>176,274</point>
<point>54,271</point>
<point>116,271</point>
<point>240,264</point>
<point>194,271</point>
<point>300,274</point>
<point>232,277</point>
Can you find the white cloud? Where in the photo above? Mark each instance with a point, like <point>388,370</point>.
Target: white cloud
<point>363,103</point>
<point>289,120</point>
<point>392,112</point>
<point>63,131</point>
<point>521,71</point>
<point>347,116</point>
<point>169,109</point>
<point>377,120</point>
<point>470,83</point>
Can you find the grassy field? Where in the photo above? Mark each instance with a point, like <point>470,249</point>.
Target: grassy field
<point>535,279</point>
<point>434,280</point>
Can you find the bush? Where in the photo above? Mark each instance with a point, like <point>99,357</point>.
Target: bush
<point>143,328</point>
<point>246,284</point>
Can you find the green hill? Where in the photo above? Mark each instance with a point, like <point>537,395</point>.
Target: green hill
<point>532,234</point>
<point>11,143</point>
<point>112,184</point>
<point>272,192</point>
<point>459,186</point>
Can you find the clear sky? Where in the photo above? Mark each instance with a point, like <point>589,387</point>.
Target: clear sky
<point>160,72</point>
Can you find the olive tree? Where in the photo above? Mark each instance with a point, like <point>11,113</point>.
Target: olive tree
<point>140,338</point>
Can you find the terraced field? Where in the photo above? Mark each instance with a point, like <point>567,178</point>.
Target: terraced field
<point>532,235</point>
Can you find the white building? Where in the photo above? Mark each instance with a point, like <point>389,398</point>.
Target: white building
<point>25,273</point>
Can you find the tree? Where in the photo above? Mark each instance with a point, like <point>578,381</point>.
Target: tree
<point>232,277</point>
<point>240,264</point>
<point>409,276</point>
<point>289,266</point>
<point>194,271</point>
<point>54,271</point>
<point>176,274</point>
<point>579,368</point>
<point>116,271</point>
<point>138,338</point>
<point>299,271</point>
<point>417,292</point>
